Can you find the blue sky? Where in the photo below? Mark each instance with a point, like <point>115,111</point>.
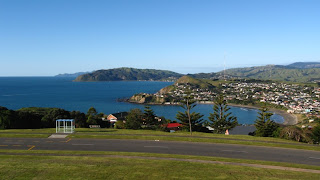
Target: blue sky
<point>48,37</point>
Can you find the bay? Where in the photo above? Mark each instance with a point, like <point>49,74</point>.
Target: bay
<point>19,92</point>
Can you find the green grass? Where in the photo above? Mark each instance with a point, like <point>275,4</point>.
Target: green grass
<point>45,130</point>
<point>27,133</point>
<point>197,137</point>
<point>103,133</point>
<point>106,153</point>
<point>24,135</point>
<point>91,167</point>
<point>194,139</point>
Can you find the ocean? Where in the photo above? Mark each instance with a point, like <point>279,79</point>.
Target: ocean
<point>18,92</point>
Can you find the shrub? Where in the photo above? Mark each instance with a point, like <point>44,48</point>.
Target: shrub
<point>296,134</point>
<point>119,125</point>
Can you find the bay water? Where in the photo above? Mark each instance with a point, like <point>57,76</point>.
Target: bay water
<point>19,92</point>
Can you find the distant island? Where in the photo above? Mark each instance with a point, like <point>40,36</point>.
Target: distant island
<point>129,74</point>
<point>304,72</point>
<point>71,74</point>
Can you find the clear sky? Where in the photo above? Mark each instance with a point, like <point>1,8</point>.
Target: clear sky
<point>48,37</point>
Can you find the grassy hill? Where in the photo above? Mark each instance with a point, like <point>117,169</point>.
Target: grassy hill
<point>297,72</point>
<point>193,82</point>
<point>127,74</point>
<point>273,72</point>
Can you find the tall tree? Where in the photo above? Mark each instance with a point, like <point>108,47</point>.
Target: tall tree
<point>264,125</point>
<point>195,118</point>
<point>187,117</point>
<point>91,116</point>
<point>149,116</point>
<point>222,119</point>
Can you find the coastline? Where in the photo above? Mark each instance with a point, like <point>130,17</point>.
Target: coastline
<point>289,119</point>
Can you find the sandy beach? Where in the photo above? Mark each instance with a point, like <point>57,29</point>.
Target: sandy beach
<point>289,119</point>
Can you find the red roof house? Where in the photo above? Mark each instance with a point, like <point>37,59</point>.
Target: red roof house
<point>174,126</point>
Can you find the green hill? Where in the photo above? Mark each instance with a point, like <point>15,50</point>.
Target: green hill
<point>296,72</point>
<point>190,81</point>
<point>304,65</point>
<point>273,72</point>
<point>128,74</point>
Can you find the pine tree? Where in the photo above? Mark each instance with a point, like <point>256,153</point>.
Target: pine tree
<point>149,116</point>
<point>264,125</point>
<point>222,119</point>
<point>187,117</point>
<point>195,118</point>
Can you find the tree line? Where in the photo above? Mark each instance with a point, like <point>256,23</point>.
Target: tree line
<point>221,119</point>
<point>36,117</point>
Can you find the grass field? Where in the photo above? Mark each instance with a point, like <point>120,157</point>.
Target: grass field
<point>41,164</point>
<point>20,166</point>
<point>104,133</point>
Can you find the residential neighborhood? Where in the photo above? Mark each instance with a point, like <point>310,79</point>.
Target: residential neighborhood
<point>292,97</point>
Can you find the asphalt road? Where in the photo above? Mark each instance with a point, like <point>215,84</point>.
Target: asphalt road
<point>184,148</point>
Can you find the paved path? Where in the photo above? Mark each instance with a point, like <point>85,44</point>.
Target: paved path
<point>184,148</point>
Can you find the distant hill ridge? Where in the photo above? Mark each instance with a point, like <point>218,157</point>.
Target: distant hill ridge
<point>128,74</point>
<point>296,72</point>
<point>71,74</point>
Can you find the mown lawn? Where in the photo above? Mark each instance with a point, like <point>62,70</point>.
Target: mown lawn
<point>88,167</point>
<point>139,154</point>
<point>105,133</point>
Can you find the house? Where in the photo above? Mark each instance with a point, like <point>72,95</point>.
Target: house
<point>112,118</point>
<point>174,126</point>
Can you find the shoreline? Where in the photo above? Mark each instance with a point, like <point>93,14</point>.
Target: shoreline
<point>289,119</point>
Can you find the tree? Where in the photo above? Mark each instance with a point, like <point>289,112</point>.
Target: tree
<point>265,126</point>
<point>195,118</point>
<point>149,116</point>
<point>316,133</point>
<point>187,104</point>
<point>7,118</point>
<point>222,119</point>
<point>134,119</point>
<point>79,118</point>
<point>91,116</point>
<point>48,121</point>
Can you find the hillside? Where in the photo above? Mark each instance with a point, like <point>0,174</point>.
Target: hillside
<point>128,74</point>
<point>273,72</point>
<point>182,86</point>
<point>189,81</point>
<point>296,72</point>
<point>305,65</point>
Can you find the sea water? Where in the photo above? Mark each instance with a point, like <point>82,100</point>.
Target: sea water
<point>19,92</point>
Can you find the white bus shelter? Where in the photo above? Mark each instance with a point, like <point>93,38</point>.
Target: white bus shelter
<point>65,126</point>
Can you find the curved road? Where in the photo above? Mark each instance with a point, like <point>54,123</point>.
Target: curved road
<point>166,147</point>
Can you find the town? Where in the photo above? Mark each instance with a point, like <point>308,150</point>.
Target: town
<point>298,99</point>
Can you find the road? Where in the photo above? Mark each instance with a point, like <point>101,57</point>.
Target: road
<point>166,147</point>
